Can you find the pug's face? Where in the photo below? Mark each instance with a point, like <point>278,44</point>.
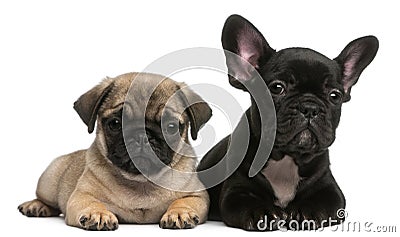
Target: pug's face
<point>147,140</point>
<point>144,119</point>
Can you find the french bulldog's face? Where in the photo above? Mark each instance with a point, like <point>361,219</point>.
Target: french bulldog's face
<point>308,92</point>
<point>307,88</point>
<point>156,120</point>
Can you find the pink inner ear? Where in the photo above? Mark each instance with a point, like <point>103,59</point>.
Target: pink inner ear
<point>249,47</point>
<point>245,71</point>
<point>248,52</point>
<point>348,71</point>
<point>349,67</point>
<point>251,58</point>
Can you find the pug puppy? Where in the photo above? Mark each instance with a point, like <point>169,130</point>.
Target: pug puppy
<point>97,188</point>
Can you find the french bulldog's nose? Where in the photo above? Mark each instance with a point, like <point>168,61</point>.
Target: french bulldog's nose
<point>309,110</point>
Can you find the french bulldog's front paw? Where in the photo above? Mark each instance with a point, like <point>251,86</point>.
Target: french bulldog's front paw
<point>264,219</point>
<point>37,208</point>
<point>98,220</point>
<point>179,218</point>
<point>309,219</point>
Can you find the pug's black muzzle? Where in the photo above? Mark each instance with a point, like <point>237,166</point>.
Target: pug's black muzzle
<point>141,153</point>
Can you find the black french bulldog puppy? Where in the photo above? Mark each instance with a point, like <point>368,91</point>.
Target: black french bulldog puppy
<point>308,90</point>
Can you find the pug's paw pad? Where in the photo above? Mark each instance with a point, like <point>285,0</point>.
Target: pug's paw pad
<point>179,218</point>
<point>37,208</point>
<point>98,220</point>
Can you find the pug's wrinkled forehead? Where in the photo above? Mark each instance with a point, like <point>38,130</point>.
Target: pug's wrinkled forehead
<point>141,94</point>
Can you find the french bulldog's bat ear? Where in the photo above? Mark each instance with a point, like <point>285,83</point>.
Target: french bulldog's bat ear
<point>89,103</point>
<point>197,109</point>
<point>242,38</point>
<point>354,58</point>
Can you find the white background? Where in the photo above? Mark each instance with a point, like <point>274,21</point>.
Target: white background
<point>51,52</point>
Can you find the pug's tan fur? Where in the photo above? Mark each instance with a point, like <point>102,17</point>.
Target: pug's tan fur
<point>94,194</point>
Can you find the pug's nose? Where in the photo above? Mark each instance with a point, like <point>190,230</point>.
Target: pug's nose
<point>309,110</point>
<point>141,140</point>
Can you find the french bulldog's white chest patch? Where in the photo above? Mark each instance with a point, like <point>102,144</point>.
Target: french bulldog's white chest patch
<point>284,177</point>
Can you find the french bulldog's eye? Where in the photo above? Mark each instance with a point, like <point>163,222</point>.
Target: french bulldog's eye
<point>277,87</point>
<point>115,124</point>
<point>172,128</point>
<point>335,96</point>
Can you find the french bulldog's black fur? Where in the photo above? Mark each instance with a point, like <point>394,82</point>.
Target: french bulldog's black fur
<point>308,90</point>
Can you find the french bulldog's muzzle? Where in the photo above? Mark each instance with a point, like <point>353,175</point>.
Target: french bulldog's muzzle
<point>304,123</point>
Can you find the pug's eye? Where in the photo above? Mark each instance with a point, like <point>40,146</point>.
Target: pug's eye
<point>115,124</point>
<point>277,88</point>
<point>335,96</point>
<point>172,128</point>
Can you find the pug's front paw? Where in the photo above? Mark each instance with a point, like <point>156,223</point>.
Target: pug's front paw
<point>98,220</point>
<point>179,218</point>
<point>37,208</point>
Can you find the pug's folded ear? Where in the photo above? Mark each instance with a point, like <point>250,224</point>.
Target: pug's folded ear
<point>197,109</point>
<point>88,104</point>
